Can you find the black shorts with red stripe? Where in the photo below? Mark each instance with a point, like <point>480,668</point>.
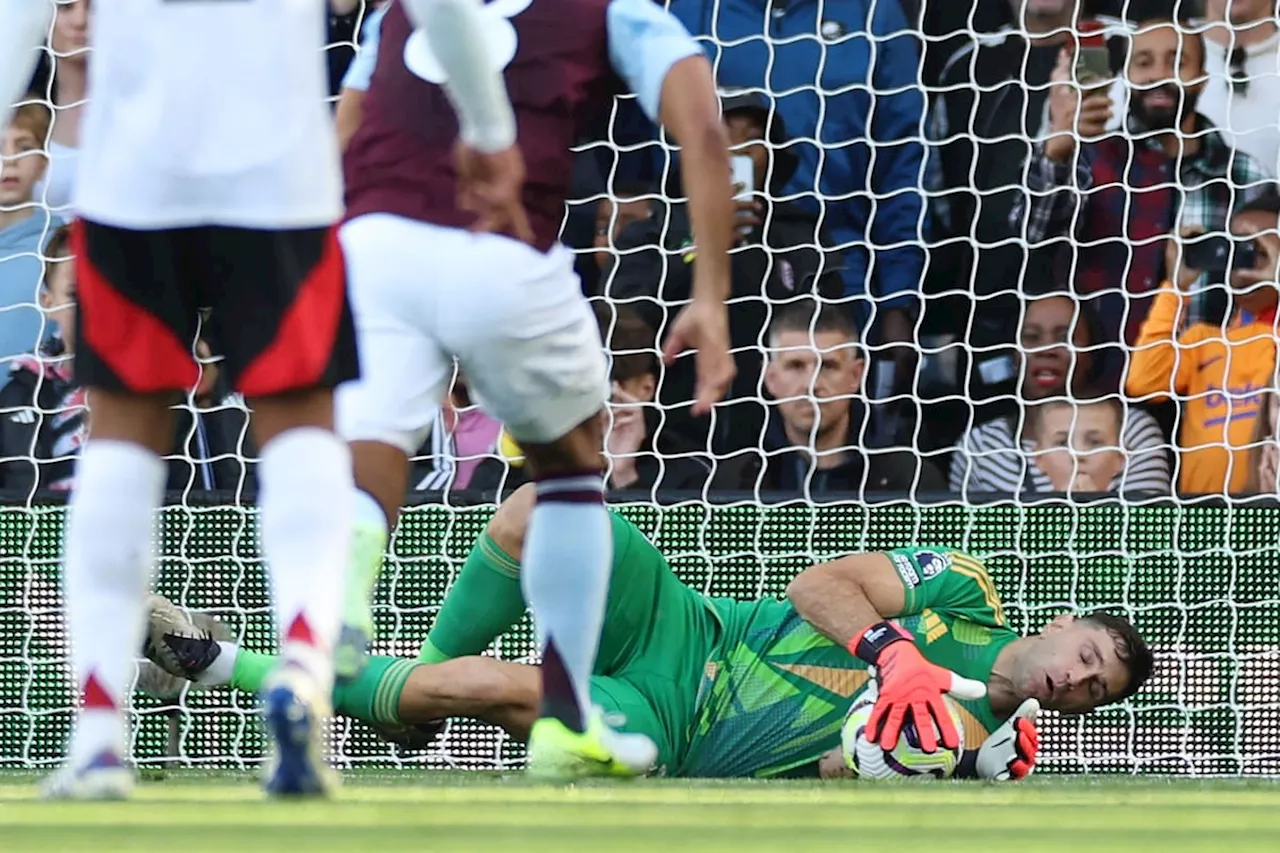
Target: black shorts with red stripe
<point>277,298</point>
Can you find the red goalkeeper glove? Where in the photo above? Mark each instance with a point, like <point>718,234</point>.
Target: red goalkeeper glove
<point>1009,754</point>
<point>909,684</point>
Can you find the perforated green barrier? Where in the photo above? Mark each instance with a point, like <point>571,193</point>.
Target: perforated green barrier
<point>1201,582</point>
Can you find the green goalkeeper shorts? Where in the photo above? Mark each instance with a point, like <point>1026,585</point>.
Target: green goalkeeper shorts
<point>657,637</point>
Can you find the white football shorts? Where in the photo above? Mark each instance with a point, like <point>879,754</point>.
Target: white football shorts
<point>514,318</point>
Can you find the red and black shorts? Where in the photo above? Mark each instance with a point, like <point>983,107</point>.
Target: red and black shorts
<point>277,301</point>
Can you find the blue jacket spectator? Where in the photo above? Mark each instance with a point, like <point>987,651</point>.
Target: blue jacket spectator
<point>868,91</point>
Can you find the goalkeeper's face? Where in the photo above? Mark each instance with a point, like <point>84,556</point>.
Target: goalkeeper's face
<point>1072,666</point>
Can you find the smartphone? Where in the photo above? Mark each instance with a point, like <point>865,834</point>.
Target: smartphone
<point>1093,59</point>
<point>1217,253</point>
<point>744,173</point>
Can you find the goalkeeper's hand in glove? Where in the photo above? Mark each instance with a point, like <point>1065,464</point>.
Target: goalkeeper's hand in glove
<point>1009,754</point>
<point>909,684</point>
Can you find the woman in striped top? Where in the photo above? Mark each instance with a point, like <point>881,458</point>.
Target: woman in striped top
<point>997,455</point>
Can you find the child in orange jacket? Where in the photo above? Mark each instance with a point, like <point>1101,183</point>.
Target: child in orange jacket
<point>1218,373</point>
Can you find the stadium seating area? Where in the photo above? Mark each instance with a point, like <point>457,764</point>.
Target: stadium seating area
<point>954,274</point>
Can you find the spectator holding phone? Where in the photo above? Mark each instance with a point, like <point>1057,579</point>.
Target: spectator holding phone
<point>1217,372</point>
<point>782,252</point>
<point>1120,193</point>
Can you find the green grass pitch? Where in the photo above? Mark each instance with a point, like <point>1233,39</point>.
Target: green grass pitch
<point>195,811</point>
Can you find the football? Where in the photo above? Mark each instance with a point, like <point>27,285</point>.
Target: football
<point>906,760</point>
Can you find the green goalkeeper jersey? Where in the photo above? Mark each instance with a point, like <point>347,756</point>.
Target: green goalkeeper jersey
<point>774,695</point>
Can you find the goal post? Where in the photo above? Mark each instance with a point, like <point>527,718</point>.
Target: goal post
<point>1199,581</point>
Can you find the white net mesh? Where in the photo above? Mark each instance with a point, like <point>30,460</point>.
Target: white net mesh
<point>919,199</point>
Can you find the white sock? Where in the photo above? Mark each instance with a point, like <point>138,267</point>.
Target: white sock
<point>304,503</point>
<point>565,574</point>
<point>107,560</point>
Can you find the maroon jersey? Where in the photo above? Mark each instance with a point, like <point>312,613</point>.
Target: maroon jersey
<point>400,161</point>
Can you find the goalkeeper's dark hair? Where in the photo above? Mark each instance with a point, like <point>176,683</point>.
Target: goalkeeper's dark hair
<point>1131,649</point>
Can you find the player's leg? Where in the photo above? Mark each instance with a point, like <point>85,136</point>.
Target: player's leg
<point>280,307</point>
<point>531,349</point>
<point>485,599</point>
<point>135,330</point>
<point>386,413</point>
<point>390,694</point>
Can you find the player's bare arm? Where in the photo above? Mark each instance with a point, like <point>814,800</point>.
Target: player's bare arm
<point>843,598</point>
<point>23,24</point>
<point>690,111</point>
<point>489,163</point>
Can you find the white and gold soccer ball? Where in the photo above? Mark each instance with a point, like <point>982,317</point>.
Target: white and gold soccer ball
<point>906,760</point>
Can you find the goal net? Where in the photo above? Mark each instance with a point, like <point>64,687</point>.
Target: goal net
<point>1199,576</point>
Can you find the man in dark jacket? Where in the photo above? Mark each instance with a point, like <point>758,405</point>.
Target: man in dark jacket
<point>816,441</point>
<point>781,254</point>
<point>849,79</point>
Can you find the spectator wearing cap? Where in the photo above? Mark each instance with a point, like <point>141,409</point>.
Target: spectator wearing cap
<point>1058,358</point>
<point>781,253</point>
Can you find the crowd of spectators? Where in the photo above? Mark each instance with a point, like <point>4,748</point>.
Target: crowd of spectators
<point>963,266</point>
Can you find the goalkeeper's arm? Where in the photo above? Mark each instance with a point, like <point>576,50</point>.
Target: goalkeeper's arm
<point>845,597</point>
<point>455,31</point>
<point>850,601</point>
<point>23,26</point>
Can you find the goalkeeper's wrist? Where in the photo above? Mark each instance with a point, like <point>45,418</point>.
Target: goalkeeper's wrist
<point>871,643</point>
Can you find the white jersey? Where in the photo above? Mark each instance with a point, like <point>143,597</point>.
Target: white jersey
<point>208,113</point>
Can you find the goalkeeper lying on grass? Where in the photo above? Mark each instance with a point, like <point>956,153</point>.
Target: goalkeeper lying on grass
<point>730,688</point>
